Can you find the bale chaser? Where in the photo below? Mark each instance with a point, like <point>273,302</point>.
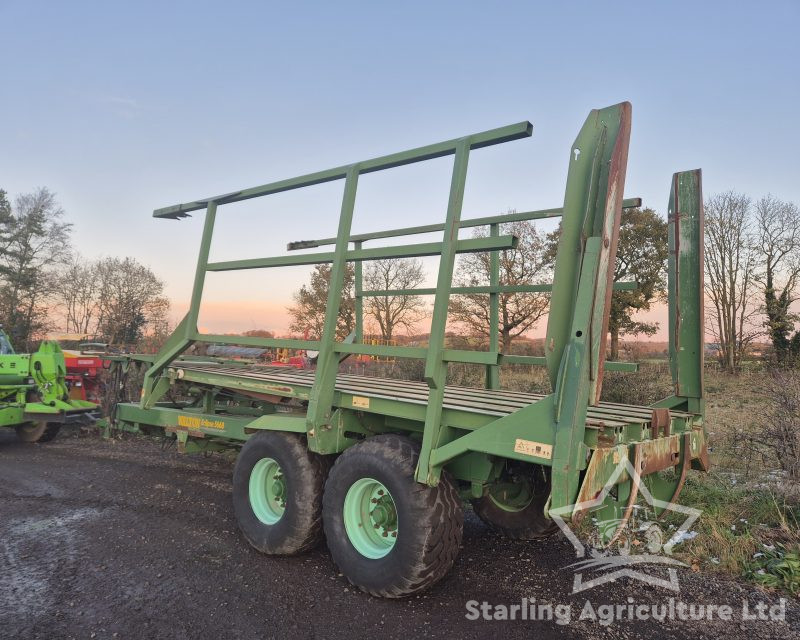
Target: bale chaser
<point>383,467</point>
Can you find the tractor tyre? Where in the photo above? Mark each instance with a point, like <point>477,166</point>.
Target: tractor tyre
<point>515,508</point>
<point>277,493</point>
<point>388,534</point>
<point>39,431</point>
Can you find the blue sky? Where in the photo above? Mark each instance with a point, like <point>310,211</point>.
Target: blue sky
<point>121,108</point>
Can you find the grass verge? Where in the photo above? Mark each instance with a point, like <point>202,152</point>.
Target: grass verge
<point>749,530</point>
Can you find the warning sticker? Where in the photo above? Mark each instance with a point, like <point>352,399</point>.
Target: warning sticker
<point>361,403</point>
<point>530,448</point>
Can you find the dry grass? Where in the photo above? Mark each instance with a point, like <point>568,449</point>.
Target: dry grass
<point>750,525</point>
<point>735,408</point>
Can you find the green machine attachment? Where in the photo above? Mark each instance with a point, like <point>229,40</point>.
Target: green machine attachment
<point>34,398</point>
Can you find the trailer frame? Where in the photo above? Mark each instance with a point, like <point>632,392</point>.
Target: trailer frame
<point>580,440</point>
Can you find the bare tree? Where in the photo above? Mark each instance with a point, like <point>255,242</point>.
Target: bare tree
<point>519,312</point>
<point>778,238</point>
<point>117,299</point>
<point>76,289</point>
<point>393,311</point>
<point>130,301</point>
<point>775,436</point>
<point>730,262</point>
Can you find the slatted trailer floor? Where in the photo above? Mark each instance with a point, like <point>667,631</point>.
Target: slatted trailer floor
<point>490,402</point>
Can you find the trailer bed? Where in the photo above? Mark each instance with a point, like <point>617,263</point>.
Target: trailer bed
<point>489,402</point>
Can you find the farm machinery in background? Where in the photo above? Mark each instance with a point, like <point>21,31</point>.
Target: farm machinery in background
<point>273,357</point>
<point>85,371</point>
<point>35,397</point>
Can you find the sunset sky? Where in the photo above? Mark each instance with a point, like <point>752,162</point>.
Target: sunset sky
<point>120,113</point>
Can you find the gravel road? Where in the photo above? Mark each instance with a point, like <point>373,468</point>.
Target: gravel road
<point>122,539</point>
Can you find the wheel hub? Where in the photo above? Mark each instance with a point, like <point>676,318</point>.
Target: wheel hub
<point>511,496</point>
<point>370,518</point>
<point>267,491</point>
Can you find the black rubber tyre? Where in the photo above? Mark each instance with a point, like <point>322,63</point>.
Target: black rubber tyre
<point>299,528</point>
<point>38,431</point>
<point>526,523</point>
<point>430,520</point>
<point>50,432</point>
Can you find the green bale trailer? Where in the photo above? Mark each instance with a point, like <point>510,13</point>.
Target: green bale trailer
<point>383,467</point>
<point>34,398</point>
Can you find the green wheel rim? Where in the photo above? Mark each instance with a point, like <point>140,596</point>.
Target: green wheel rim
<point>513,497</point>
<point>370,518</point>
<point>267,491</point>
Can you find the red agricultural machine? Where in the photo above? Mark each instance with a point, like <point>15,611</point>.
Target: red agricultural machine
<point>84,368</point>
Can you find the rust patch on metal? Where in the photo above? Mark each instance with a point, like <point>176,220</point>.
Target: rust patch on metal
<point>658,455</point>
<point>635,482</point>
<point>602,464</point>
<point>605,440</point>
<point>267,397</point>
<point>702,455</point>
<point>685,464</point>
<point>287,390</point>
<point>660,421</point>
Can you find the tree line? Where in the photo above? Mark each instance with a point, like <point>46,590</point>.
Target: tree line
<point>642,255</point>
<point>45,285</point>
<point>752,263</point>
<point>752,274</point>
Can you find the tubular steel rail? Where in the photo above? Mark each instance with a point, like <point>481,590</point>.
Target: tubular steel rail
<point>485,439</point>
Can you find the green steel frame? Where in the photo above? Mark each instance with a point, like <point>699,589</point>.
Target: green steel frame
<point>569,430</point>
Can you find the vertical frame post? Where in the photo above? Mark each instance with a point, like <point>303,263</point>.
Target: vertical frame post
<point>582,287</point>
<point>435,367</point>
<point>200,273</point>
<point>592,207</point>
<point>321,399</point>
<point>493,370</point>
<point>685,285</point>
<point>184,334</point>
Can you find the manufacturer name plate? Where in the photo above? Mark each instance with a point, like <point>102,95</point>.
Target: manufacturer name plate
<point>361,403</point>
<point>194,422</point>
